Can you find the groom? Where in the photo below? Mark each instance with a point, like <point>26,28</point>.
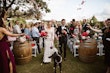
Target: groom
<point>62,34</point>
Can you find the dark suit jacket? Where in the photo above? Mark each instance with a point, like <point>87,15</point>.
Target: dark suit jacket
<point>59,30</point>
<point>84,27</point>
<point>62,35</point>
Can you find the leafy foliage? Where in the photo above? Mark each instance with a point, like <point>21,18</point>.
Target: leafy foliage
<point>39,6</point>
<point>93,20</point>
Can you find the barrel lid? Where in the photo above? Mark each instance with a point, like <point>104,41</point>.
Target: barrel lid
<point>90,40</point>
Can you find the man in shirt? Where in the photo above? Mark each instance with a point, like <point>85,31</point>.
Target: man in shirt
<point>84,26</point>
<point>16,28</point>
<point>36,35</point>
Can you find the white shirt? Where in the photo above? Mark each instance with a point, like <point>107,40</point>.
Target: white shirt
<point>16,29</point>
<point>63,27</point>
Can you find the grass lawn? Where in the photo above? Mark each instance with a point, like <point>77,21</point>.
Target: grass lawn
<point>71,65</point>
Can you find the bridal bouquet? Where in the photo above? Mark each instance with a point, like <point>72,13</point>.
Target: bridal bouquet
<point>43,34</point>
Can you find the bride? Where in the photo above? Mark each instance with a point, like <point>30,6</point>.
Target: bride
<point>49,42</point>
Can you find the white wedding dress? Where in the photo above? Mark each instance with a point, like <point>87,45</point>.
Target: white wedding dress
<point>49,42</point>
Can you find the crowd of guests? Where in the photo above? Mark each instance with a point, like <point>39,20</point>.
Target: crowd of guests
<point>53,32</point>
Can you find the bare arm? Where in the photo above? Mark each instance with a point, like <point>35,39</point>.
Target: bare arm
<point>80,26</point>
<point>9,33</point>
<point>96,30</point>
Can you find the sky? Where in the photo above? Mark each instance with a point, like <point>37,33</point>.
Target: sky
<point>72,9</point>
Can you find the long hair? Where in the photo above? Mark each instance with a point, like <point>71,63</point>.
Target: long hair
<point>1,23</point>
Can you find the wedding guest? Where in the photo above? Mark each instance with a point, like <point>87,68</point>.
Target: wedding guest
<point>27,30</point>
<point>36,35</point>
<point>7,62</point>
<point>16,28</point>
<point>106,41</point>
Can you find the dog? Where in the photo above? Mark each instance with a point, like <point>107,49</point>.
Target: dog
<point>57,60</point>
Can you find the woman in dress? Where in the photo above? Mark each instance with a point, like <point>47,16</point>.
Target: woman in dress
<point>106,41</point>
<point>77,32</point>
<point>49,42</point>
<point>7,63</point>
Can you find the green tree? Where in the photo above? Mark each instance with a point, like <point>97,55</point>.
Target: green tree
<point>40,6</point>
<point>93,21</point>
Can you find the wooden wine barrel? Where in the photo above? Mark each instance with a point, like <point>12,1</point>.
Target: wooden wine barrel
<point>22,52</point>
<point>88,50</point>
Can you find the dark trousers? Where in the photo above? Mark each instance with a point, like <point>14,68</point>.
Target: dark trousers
<point>107,56</point>
<point>43,42</point>
<point>63,43</point>
<point>37,42</point>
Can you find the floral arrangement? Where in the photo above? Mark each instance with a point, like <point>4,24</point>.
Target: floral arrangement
<point>85,34</point>
<point>43,34</point>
